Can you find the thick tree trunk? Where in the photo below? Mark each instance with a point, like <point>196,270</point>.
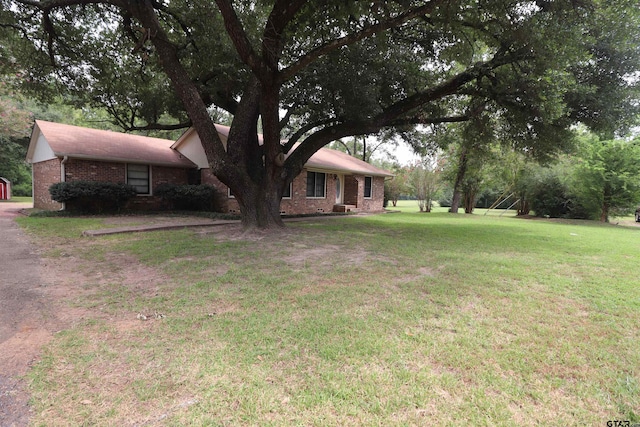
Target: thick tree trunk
<point>457,191</point>
<point>260,208</point>
<point>262,173</point>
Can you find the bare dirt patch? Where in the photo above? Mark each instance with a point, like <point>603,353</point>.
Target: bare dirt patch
<point>41,296</point>
<point>235,232</point>
<point>420,273</point>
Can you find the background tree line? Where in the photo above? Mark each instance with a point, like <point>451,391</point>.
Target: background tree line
<point>595,179</point>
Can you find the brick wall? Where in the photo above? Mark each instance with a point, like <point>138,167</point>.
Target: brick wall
<point>375,203</point>
<point>296,205</point>
<point>48,172</point>
<point>44,174</point>
<point>159,175</point>
<point>300,204</point>
<point>89,170</point>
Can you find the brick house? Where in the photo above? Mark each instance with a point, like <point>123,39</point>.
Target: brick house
<point>331,180</point>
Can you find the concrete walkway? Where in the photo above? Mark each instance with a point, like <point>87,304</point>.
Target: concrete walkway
<point>177,225</point>
<point>155,227</point>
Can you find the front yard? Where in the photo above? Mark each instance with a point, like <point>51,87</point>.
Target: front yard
<point>398,319</point>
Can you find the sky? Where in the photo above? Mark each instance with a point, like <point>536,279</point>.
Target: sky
<point>405,155</point>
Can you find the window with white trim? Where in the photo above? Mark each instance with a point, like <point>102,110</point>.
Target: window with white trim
<point>287,192</point>
<point>316,184</point>
<point>139,176</point>
<point>368,187</point>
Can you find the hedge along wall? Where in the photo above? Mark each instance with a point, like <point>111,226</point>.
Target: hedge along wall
<point>92,170</point>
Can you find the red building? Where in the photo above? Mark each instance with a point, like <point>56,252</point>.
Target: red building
<point>5,189</point>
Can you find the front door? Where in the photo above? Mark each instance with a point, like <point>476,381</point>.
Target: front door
<point>338,189</point>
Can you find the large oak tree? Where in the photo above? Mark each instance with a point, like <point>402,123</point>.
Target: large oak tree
<point>310,72</point>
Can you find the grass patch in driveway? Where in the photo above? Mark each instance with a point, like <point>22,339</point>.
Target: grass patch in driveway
<point>403,319</point>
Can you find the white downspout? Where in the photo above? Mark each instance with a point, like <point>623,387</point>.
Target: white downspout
<point>63,176</point>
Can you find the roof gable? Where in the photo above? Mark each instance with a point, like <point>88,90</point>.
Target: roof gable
<point>39,149</point>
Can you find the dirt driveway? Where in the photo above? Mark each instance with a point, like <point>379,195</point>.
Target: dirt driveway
<point>33,292</point>
<point>27,320</point>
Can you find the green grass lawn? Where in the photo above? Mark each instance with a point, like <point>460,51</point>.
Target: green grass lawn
<point>397,319</point>
<point>18,199</point>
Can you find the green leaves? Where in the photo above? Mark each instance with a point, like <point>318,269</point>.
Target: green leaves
<point>607,179</point>
<point>190,197</point>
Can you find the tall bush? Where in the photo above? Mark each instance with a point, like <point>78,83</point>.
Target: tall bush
<point>424,181</point>
<point>550,195</point>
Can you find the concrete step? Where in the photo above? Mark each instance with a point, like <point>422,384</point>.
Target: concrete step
<point>345,208</point>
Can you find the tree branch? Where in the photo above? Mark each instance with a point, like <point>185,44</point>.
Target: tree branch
<point>304,129</point>
<point>282,13</point>
<point>421,120</point>
<point>316,53</point>
<point>451,86</point>
<point>287,116</point>
<point>240,40</point>
<point>15,27</point>
<point>160,126</point>
<point>48,5</point>
<point>346,147</point>
<point>185,88</point>
<point>396,114</point>
<point>185,28</point>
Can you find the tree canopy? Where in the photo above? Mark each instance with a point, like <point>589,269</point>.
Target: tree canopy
<point>313,72</point>
<point>606,178</point>
<point>15,123</point>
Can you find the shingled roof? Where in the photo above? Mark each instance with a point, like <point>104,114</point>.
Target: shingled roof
<point>337,161</point>
<point>324,159</point>
<point>87,143</point>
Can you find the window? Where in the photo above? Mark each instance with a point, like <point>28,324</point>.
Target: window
<point>194,177</point>
<point>315,184</point>
<point>139,177</point>
<point>287,192</point>
<point>368,188</point>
